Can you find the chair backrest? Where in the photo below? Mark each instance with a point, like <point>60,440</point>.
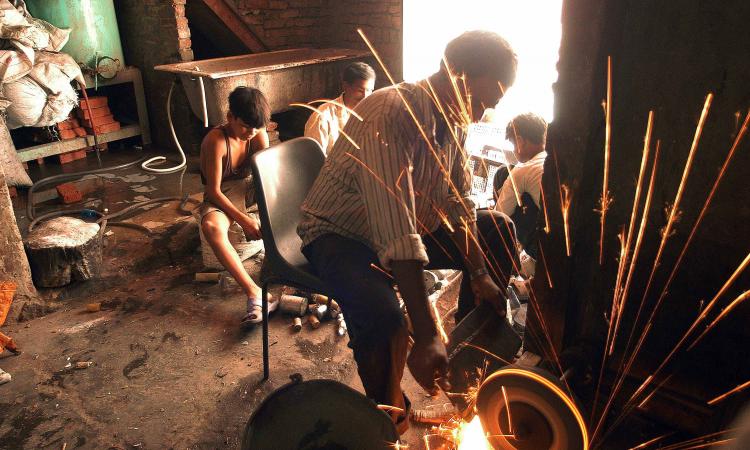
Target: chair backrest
<point>283,174</point>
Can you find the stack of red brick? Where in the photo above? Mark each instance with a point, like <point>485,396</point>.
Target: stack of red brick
<point>81,123</point>
<point>68,129</point>
<point>99,118</point>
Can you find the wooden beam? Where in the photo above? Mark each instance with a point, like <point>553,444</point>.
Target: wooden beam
<point>236,25</point>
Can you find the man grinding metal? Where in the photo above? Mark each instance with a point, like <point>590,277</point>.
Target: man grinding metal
<point>399,200</point>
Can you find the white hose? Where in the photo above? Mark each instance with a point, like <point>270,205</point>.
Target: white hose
<point>203,101</point>
<point>160,159</point>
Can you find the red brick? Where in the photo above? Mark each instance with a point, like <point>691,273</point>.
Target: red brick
<point>67,191</point>
<point>95,102</point>
<point>101,129</point>
<point>70,157</point>
<point>99,121</point>
<point>67,134</point>
<point>95,112</point>
<point>67,124</point>
<point>79,131</point>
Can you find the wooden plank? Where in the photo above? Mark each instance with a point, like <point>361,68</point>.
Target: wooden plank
<point>56,148</point>
<point>236,25</point>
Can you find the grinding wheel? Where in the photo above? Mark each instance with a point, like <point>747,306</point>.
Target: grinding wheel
<point>542,415</point>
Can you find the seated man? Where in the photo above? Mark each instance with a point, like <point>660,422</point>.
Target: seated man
<point>225,166</point>
<point>400,201</point>
<point>358,82</point>
<point>528,134</point>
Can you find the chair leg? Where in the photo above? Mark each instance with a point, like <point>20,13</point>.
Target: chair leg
<point>264,306</point>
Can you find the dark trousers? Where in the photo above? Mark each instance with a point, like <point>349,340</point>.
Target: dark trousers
<point>377,332</point>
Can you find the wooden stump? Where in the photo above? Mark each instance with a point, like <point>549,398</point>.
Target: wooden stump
<point>63,250</point>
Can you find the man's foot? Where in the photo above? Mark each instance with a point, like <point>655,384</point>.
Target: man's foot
<point>4,377</point>
<point>254,314</point>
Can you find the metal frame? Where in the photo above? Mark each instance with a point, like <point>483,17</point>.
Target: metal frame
<point>126,75</point>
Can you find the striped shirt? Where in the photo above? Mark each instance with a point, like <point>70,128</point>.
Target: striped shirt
<point>391,190</point>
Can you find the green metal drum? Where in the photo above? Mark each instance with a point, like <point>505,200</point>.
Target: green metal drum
<point>94,39</point>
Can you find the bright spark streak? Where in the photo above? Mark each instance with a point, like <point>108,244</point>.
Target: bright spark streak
<point>641,230</point>
<point>507,408</point>
<point>487,352</point>
<point>546,268</point>
<point>389,408</point>
<point>709,444</point>
<point>721,397</point>
<point>565,206</point>
<point>724,312</point>
<point>381,270</point>
<point>606,200</point>
<point>544,207</point>
<point>339,104</point>
<point>348,138</point>
<point>439,323</point>
<point>652,441</point>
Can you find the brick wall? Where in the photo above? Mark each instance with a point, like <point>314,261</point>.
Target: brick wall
<point>283,24</point>
<point>157,32</point>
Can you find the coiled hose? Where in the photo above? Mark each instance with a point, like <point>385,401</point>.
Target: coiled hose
<point>159,159</point>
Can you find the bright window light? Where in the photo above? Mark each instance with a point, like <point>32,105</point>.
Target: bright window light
<point>531,26</point>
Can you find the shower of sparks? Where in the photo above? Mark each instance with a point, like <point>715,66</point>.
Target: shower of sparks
<point>673,213</point>
<point>675,207</point>
<point>567,197</point>
<point>722,171</point>
<point>339,104</point>
<point>629,404</point>
<point>605,200</point>
<point>507,408</point>
<point>721,397</point>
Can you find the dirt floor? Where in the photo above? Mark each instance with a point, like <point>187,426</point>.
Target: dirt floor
<point>170,366</point>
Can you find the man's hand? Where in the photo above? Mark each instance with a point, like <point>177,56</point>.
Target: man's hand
<point>251,227</point>
<point>486,290</point>
<point>428,363</point>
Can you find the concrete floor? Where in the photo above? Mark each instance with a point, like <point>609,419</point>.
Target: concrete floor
<point>171,368</point>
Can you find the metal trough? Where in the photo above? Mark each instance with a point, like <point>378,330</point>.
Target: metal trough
<point>286,76</point>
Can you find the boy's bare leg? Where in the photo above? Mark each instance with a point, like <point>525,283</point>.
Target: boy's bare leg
<point>215,227</point>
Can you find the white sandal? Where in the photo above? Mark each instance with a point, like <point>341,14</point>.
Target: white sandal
<point>4,377</point>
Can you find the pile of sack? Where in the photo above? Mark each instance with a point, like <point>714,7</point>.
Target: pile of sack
<point>35,79</point>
